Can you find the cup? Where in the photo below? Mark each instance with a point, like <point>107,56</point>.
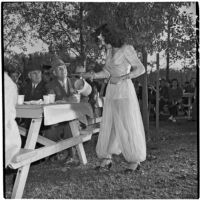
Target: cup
<point>46,99</point>
<point>52,98</point>
<point>79,84</point>
<point>20,99</point>
<point>82,87</point>
<point>77,97</point>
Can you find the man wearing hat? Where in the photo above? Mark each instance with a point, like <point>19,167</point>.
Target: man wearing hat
<point>61,86</point>
<point>35,89</point>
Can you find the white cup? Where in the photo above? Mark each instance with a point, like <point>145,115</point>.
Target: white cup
<point>82,87</point>
<point>52,98</point>
<point>20,99</point>
<point>46,99</point>
<point>77,97</point>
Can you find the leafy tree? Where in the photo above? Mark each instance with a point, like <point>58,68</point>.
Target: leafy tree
<point>66,27</point>
<point>16,31</point>
<point>59,24</point>
<point>13,34</point>
<point>181,37</point>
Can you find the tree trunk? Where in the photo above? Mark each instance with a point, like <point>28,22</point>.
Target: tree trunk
<point>168,47</point>
<point>167,68</point>
<point>145,112</point>
<point>157,93</point>
<point>82,54</point>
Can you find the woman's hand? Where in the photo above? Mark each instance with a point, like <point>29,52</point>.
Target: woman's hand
<point>87,75</point>
<point>115,80</point>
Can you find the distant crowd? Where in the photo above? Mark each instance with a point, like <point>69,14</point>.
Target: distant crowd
<point>171,98</point>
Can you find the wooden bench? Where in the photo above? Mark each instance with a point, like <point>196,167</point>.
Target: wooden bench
<point>23,154</point>
<point>92,127</point>
<point>27,156</point>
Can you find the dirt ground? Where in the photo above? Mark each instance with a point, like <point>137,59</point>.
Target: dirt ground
<point>170,171</point>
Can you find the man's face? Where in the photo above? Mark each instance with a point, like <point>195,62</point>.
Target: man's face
<point>60,72</point>
<point>35,76</point>
<point>15,77</point>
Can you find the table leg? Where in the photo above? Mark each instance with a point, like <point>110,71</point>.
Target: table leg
<point>74,125</point>
<point>22,173</point>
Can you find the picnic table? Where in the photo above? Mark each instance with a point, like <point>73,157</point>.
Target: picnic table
<point>52,114</point>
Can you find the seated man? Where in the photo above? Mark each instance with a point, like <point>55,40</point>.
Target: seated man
<point>62,87</point>
<point>35,88</point>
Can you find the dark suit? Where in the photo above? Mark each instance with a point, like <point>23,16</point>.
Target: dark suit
<point>59,91</point>
<point>61,130</point>
<point>30,95</point>
<point>38,92</point>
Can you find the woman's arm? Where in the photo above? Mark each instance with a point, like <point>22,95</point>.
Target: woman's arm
<point>99,75</point>
<point>137,71</point>
<point>136,64</point>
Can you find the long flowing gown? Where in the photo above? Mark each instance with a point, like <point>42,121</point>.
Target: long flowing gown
<point>12,135</point>
<point>122,130</point>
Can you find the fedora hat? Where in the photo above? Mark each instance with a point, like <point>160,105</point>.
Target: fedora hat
<point>56,62</point>
<point>46,67</point>
<point>33,67</point>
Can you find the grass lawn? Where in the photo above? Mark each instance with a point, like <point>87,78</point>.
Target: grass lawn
<point>170,171</point>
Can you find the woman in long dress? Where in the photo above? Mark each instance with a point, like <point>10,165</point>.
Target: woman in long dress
<point>121,129</point>
<point>12,135</point>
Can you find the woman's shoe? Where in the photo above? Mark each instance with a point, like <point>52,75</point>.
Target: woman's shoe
<point>129,170</point>
<point>106,164</point>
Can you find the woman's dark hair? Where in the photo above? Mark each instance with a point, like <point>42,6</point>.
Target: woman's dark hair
<point>111,35</point>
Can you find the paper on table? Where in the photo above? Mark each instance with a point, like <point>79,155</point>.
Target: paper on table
<point>56,113</point>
